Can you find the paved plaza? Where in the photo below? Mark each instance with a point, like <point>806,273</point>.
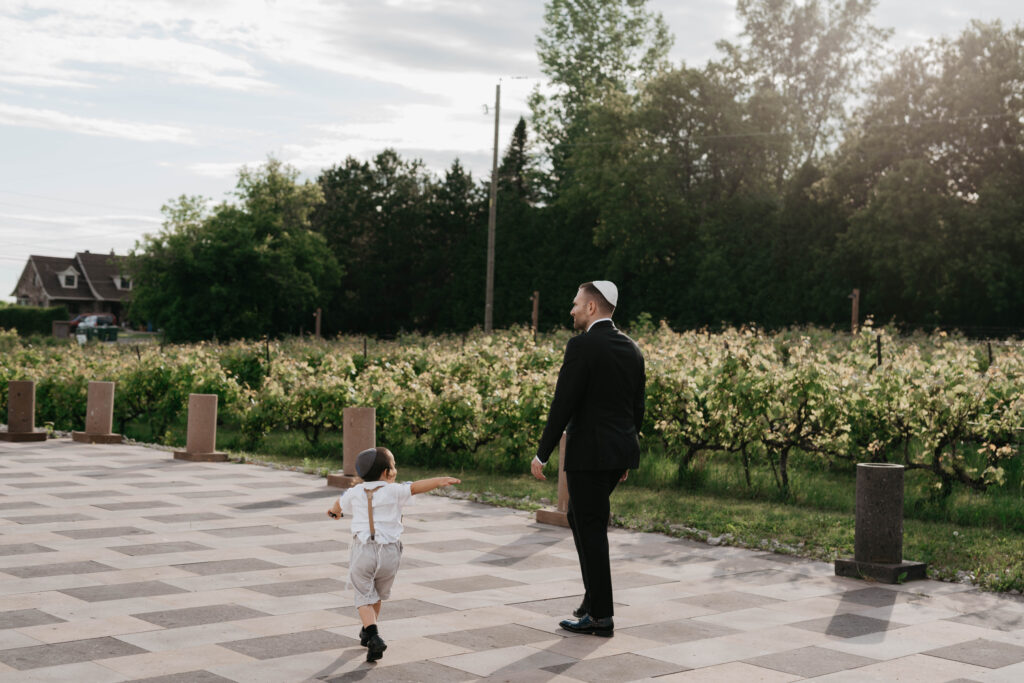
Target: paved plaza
<point>119,563</point>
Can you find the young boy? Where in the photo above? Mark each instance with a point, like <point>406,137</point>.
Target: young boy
<point>375,507</point>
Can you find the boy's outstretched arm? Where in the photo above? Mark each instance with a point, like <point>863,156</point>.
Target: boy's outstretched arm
<point>424,485</point>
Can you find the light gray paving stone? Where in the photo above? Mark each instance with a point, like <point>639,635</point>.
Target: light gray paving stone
<point>1009,618</point>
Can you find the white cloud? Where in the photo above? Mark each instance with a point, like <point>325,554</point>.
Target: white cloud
<point>220,169</point>
<point>49,119</point>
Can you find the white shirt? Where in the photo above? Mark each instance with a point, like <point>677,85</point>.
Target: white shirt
<point>388,501</point>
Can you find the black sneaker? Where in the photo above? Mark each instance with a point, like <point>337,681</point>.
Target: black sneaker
<point>375,648</point>
<point>364,637</point>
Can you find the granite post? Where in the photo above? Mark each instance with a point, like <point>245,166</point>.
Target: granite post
<point>201,443</point>
<point>359,432</point>
<point>99,416</point>
<point>558,515</point>
<point>878,540</point>
<point>21,413</point>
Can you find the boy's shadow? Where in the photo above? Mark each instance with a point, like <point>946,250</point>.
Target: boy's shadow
<point>358,674</point>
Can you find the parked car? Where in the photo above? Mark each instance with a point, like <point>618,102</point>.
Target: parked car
<point>102,319</point>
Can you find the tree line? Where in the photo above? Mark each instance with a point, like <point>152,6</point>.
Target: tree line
<point>807,159</point>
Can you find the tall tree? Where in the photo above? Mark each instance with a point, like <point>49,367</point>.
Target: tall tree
<point>239,270</point>
<point>800,63</point>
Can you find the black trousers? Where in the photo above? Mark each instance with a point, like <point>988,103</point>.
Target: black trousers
<point>589,493</point>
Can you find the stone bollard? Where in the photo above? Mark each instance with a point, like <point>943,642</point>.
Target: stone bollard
<point>99,416</point>
<point>359,432</point>
<point>201,443</point>
<point>21,413</point>
<point>558,515</point>
<point>878,540</point>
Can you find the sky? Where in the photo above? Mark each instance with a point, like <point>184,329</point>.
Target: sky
<point>111,108</point>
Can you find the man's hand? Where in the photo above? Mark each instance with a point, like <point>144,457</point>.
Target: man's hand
<point>624,476</point>
<point>537,469</point>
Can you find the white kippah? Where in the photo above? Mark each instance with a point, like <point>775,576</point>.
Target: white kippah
<point>608,290</point>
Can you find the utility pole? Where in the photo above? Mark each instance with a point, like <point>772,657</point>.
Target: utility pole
<point>491,219</point>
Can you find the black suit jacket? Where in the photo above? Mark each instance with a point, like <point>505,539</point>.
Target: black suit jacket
<point>599,402</point>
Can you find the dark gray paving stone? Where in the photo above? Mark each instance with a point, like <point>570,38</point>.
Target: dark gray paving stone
<point>847,625</point>
<point>872,597</point>
<point>209,494</point>
<point>186,517</point>
<point>196,616</point>
<point>237,531</point>
<point>107,493</point>
<point>402,609</point>
<point>415,563</point>
<point>36,571</point>
<point>766,577</point>
<point>164,484</point>
<point>312,517</point>
<point>187,677</point>
<point>105,532</point>
<point>23,549</point>
<point>272,647</point>
<point>413,672</point>
<point>306,547</point>
<point>26,617</point>
<point>616,668</point>
<point>119,591</point>
<point>136,505</point>
<point>320,492</point>
<point>306,587</point>
<point>20,475</point>
<point>470,583</point>
<point>36,656</point>
<point>249,564</point>
<point>519,550</point>
<point>265,505</point>
<point>728,601</point>
<point>46,484</point>
<point>1003,618</point>
<point>981,652</point>
<point>533,562</point>
<point>500,530</point>
<point>159,548</point>
<point>19,505</point>
<point>50,519</point>
<point>492,637</point>
<point>452,546</point>
<point>680,631</point>
<point>555,607</point>
<point>811,661</point>
<point>266,485</point>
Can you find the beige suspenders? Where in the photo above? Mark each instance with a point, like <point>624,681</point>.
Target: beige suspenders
<point>369,509</point>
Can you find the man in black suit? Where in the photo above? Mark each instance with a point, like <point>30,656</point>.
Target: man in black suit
<point>599,403</point>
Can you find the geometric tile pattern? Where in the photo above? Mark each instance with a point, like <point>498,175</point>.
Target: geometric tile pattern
<point>120,563</point>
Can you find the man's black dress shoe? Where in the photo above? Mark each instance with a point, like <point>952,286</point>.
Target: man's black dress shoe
<point>603,627</point>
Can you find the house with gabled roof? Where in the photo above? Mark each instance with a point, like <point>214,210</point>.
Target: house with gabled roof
<point>86,283</point>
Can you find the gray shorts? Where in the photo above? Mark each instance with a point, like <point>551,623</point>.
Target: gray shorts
<point>372,568</point>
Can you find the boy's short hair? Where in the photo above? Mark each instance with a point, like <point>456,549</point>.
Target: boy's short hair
<point>373,462</point>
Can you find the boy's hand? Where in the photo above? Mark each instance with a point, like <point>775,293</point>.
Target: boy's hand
<point>448,481</point>
<point>335,511</point>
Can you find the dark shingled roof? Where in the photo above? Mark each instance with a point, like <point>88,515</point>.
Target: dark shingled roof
<point>100,270</point>
<point>49,267</point>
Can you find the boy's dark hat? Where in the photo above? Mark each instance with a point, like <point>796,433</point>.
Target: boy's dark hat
<point>365,460</point>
